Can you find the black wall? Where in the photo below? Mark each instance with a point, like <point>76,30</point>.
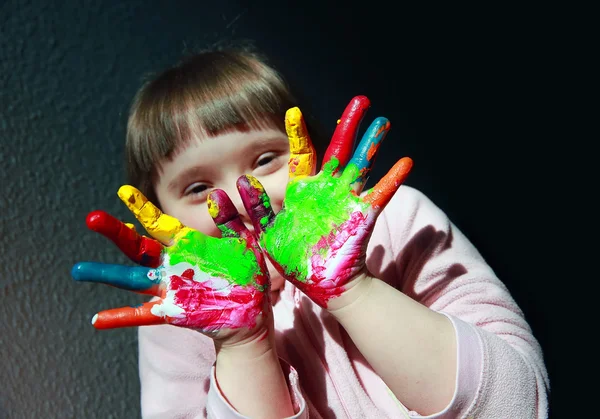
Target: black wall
<point>465,90</point>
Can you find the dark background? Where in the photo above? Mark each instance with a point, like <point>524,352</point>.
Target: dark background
<point>471,94</point>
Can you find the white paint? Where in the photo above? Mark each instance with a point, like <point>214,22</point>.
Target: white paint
<point>168,307</point>
<point>94,319</point>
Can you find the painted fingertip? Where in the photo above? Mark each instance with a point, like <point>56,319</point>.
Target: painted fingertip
<point>249,183</point>
<point>213,206</point>
<point>220,207</point>
<point>95,220</point>
<point>78,271</point>
<point>293,115</point>
<point>360,101</point>
<point>381,125</point>
<point>131,196</point>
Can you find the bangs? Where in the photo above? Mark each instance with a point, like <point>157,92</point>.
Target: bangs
<point>204,96</point>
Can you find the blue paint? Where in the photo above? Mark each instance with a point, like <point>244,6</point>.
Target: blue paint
<point>126,277</point>
<point>360,158</point>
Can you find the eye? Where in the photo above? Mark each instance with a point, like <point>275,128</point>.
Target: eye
<point>196,190</point>
<point>265,159</point>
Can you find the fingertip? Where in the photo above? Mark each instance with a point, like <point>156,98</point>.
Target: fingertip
<point>293,114</point>
<point>78,270</point>
<point>95,220</point>
<point>214,200</point>
<point>125,190</point>
<point>383,122</point>
<point>94,319</point>
<point>405,165</point>
<point>360,101</point>
<point>246,181</point>
<point>131,196</point>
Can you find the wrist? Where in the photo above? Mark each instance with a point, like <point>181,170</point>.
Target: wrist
<point>356,290</point>
<point>251,348</point>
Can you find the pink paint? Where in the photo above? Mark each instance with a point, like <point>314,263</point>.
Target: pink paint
<point>209,309</point>
<point>345,255</point>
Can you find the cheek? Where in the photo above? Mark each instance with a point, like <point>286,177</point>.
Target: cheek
<point>196,217</point>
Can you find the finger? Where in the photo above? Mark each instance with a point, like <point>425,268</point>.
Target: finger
<point>380,194</point>
<point>128,317</point>
<point>342,143</point>
<point>360,165</point>
<point>256,201</point>
<point>161,226</point>
<point>303,157</point>
<point>138,279</point>
<point>225,215</point>
<point>138,248</point>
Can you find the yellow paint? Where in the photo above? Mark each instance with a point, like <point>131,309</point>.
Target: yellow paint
<point>213,207</point>
<point>130,226</point>
<point>302,153</point>
<point>161,226</point>
<point>255,183</point>
<point>338,121</point>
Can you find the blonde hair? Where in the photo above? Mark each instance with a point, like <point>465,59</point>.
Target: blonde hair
<point>206,94</point>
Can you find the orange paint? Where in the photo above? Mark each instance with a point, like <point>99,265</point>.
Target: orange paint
<point>128,317</point>
<point>389,184</point>
<point>372,150</point>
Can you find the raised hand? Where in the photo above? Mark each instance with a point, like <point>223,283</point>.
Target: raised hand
<point>218,286</point>
<point>319,238</point>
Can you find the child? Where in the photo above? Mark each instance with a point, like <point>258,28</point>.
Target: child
<point>343,303</point>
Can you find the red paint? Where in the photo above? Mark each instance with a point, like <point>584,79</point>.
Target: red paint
<point>208,309</point>
<point>344,137</point>
<point>140,249</point>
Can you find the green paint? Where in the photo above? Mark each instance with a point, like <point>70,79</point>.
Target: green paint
<point>264,221</point>
<point>227,257</point>
<point>226,231</point>
<point>314,207</point>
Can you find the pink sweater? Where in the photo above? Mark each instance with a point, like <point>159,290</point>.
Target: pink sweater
<point>416,249</point>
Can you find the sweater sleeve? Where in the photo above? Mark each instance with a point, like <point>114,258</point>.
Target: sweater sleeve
<point>178,380</point>
<point>219,408</point>
<point>174,366</point>
<point>500,366</point>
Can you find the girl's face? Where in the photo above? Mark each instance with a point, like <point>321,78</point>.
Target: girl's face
<point>184,182</point>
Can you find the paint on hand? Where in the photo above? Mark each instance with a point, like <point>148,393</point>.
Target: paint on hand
<point>202,282</point>
<point>319,238</point>
<point>161,226</point>
<point>346,130</point>
<point>302,153</point>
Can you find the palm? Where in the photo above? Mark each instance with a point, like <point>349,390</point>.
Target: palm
<point>192,275</point>
<point>319,238</point>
